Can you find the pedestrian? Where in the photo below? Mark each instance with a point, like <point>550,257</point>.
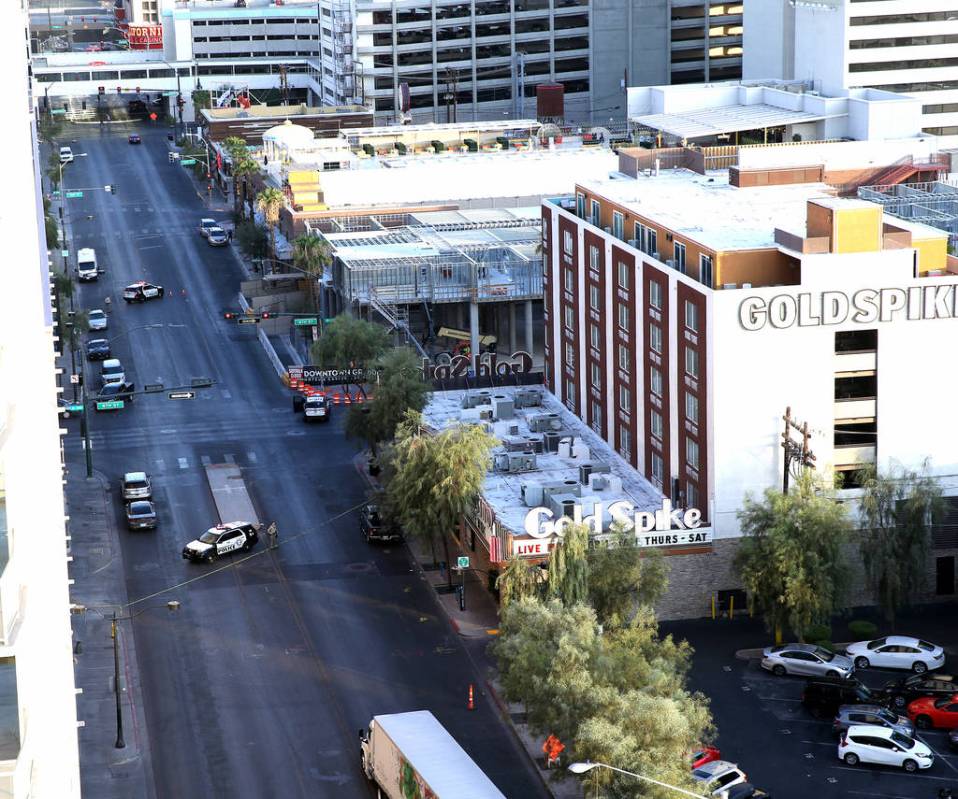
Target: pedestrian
<point>271,536</point>
<point>229,235</point>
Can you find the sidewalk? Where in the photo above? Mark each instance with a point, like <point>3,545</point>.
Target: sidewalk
<point>478,625</point>
<point>99,584</point>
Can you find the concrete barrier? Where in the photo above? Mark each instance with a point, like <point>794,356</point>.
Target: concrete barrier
<point>233,503</point>
<point>265,342</point>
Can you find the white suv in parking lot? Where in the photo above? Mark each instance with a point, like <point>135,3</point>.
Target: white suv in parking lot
<point>717,777</point>
<point>869,744</point>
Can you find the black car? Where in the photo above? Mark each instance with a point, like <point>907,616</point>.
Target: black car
<point>141,515</point>
<point>134,138</point>
<point>822,696</point>
<point>745,790</point>
<point>377,528</point>
<point>98,349</point>
<point>114,391</point>
<point>899,693</point>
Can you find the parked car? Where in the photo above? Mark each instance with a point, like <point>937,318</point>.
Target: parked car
<point>141,515</point>
<point>141,291</point>
<point>66,155</point>
<point>884,747</point>
<point>114,391</point>
<point>205,225</point>
<point>87,267</point>
<point>705,755</point>
<point>98,349</point>
<point>216,237</point>
<point>876,715</point>
<point>940,712</point>
<point>375,527</point>
<point>806,659</point>
<point>97,320</point>
<point>222,539</point>
<point>953,739</point>
<point>717,776</point>
<point>897,652</point>
<point>134,138</point>
<point>914,686</point>
<point>745,790</point>
<point>136,485</point>
<point>112,372</point>
<point>822,696</point>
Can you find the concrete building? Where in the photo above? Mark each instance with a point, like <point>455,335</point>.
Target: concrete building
<point>684,315</point>
<point>904,46</point>
<point>38,717</point>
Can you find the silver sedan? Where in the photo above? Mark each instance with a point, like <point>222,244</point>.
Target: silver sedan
<point>807,660</point>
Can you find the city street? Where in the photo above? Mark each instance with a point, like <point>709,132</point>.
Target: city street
<point>258,685</point>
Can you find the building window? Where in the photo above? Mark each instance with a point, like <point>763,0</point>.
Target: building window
<point>569,354</point>
<point>655,382</point>
<point>580,205</point>
<point>692,408</point>
<point>625,442</point>
<point>655,295</point>
<point>569,318</point>
<point>569,280</point>
<point>623,275</point>
<point>691,316</point>
<point>618,224</point>
<point>692,453</point>
<point>691,495</point>
<point>596,375</point>
<point>658,469</point>
<point>679,257</point>
<point>655,338</point>
<point>597,417</point>
<point>566,242</point>
<point>595,215</point>
<point>594,336</point>
<point>656,424</point>
<point>691,362</point>
<point>594,297</point>
<point>593,257</point>
<point>705,270</point>
<point>623,357</point>
<point>652,243</point>
<point>625,399</point>
<point>570,394</point>
<point>624,317</point>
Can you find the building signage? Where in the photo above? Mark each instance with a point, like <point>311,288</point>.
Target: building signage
<point>864,307</point>
<point>314,375</point>
<point>145,37</point>
<point>666,519</point>
<point>489,364</point>
<point>537,548</point>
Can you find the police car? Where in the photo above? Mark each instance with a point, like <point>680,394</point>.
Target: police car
<point>222,539</point>
<point>316,409</point>
<point>142,291</point>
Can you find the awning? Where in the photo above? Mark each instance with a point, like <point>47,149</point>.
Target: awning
<point>727,119</point>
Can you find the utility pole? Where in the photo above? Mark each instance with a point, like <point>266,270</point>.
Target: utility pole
<point>452,93</point>
<point>795,451</point>
<point>283,85</point>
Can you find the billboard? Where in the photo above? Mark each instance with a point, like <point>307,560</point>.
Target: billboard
<point>145,37</point>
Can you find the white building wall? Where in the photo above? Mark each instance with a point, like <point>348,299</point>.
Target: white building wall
<point>33,585</point>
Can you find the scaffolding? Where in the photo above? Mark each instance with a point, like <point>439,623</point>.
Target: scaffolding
<point>934,204</point>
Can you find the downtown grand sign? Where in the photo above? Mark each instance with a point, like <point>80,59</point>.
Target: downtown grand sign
<point>863,307</point>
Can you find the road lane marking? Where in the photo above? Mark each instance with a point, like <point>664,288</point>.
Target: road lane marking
<point>168,430</point>
<point>184,463</point>
<point>160,465</point>
<point>226,393</point>
<point>251,457</point>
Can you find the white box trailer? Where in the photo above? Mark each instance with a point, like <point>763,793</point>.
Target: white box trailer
<point>411,756</point>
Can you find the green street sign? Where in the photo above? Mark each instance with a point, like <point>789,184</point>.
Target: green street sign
<point>187,161</point>
<point>462,562</point>
<point>55,194</point>
<point>306,321</point>
<point>110,405</point>
<point>74,408</point>
<point>57,111</point>
<point>74,195</point>
<point>64,253</point>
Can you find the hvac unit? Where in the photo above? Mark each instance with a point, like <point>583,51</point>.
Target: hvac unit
<point>474,398</point>
<point>568,487</point>
<point>469,416</point>
<point>531,494</point>
<point>749,285</point>
<point>729,286</point>
<point>485,413</point>
<point>503,407</point>
<point>513,462</point>
<point>597,482</point>
<point>551,440</point>
<point>527,398</point>
<point>513,428</point>
<point>580,450</point>
<point>586,469</point>
<point>562,504</point>
<point>656,256</point>
<point>540,423</point>
<point>485,396</point>
<point>536,444</point>
<point>565,447</point>
<point>517,444</point>
<point>607,229</point>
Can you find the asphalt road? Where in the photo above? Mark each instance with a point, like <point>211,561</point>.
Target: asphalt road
<point>258,685</point>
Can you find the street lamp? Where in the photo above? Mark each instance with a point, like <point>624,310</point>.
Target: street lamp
<point>582,768</point>
<point>172,606</point>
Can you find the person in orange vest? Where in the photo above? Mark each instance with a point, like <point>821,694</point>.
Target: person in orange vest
<point>552,748</point>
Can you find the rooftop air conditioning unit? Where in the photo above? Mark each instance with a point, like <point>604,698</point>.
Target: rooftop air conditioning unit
<point>514,462</point>
<point>469,416</point>
<point>551,440</point>
<point>531,494</point>
<point>503,407</point>
<point>587,469</point>
<point>598,482</point>
<point>570,488</point>
<point>472,399</point>
<point>517,444</point>
<point>561,504</point>
<point>485,413</point>
<point>513,429</point>
<point>542,422</point>
<point>536,444</point>
<point>527,398</point>
<point>746,285</point>
<point>729,285</point>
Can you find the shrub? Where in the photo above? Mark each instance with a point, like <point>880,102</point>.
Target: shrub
<point>818,632</point>
<point>252,240</point>
<point>862,630</point>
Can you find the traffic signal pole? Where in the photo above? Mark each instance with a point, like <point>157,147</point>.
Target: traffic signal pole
<point>85,420</point>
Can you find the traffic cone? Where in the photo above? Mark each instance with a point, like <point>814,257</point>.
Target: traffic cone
<point>336,398</point>
<point>471,704</point>
<point>358,397</point>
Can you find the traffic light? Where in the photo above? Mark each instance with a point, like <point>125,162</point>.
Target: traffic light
<point>229,315</point>
<point>264,315</point>
<point>101,90</point>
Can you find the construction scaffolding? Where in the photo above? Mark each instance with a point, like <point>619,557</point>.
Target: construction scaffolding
<point>934,204</point>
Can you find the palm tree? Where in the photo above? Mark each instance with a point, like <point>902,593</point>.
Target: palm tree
<point>311,254</point>
<point>270,201</point>
<point>242,168</point>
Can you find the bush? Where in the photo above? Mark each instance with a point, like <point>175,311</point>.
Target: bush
<point>53,232</point>
<point>862,630</point>
<point>825,645</point>
<point>818,632</point>
<point>252,240</point>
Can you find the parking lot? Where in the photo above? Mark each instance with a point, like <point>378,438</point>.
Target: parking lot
<point>764,728</point>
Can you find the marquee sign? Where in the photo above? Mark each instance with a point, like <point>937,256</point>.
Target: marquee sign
<point>865,307</point>
<point>489,364</point>
<point>538,522</point>
<point>145,37</point>
<point>315,375</point>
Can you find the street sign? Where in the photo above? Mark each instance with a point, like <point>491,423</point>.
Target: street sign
<point>153,388</point>
<point>65,253</point>
<point>74,378</point>
<point>248,320</point>
<point>55,194</point>
<point>58,111</point>
<point>305,321</point>
<point>201,382</point>
<point>110,405</point>
<point>187,161</point>
<point>74,195</point>
<point>462,562</point>
<point>177,395</point>
<point>75,408</point>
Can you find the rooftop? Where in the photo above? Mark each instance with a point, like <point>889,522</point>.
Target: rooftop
<point>279,112</point>
<point>504,491</point>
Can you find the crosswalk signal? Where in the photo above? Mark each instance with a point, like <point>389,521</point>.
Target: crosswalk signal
<point>264,315</point>
<point>101,90</point>
<point>229,315</point>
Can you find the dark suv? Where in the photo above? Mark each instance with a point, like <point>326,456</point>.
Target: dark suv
<point>899,693</point>
<point>824,695</point>
<point>377,528</point>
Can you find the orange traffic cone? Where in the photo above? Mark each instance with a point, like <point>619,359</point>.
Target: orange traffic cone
<point>471,704</point>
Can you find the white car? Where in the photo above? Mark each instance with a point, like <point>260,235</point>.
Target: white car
<point>207,224</point>
<point>137,485</point>
<point>869,744</point>
<point>66,155</point>
<point>805,659</point>
<point>717,777</point>
<point>897,652</point>
<point>112,372</point>
<point>97,320</point>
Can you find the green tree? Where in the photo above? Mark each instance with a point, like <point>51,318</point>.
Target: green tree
<point>624,577</point>
<point>311,253</point>
<point>569,566</point>
<point>348,342</point>
<point>53,232</point>
<point>269,202</point>
<point>437,478</point>
<point>252,240</point>
<point>791,560</point>
<point>897,512</point>
<point>400,389</point>
<point>50,127</point>
<point>54,168</point>
<point>518,580</point>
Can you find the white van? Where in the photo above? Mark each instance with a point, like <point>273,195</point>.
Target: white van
<point>66,155</point>
<point>86,264</point>
<point>112,372</point>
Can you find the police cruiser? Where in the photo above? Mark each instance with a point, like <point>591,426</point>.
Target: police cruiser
<point>221,540</point>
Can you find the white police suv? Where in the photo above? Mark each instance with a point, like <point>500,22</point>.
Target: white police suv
<point>221,540</point>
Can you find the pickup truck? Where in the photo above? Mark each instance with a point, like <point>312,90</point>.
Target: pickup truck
<point>376,528</point>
